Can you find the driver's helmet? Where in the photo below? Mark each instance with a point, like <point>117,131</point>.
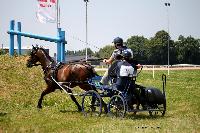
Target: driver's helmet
<point>126,54</point>
<point>118,41</point>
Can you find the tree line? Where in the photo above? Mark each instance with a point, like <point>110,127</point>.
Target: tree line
<point>154,51</point>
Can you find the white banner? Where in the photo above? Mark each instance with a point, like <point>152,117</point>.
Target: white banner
<point>46,11</point>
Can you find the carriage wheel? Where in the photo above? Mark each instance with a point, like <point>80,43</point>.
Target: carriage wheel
<point>91,104</point>
<point>117,106</point>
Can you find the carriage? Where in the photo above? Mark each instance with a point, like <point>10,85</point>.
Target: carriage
<point>67,76</point>
<point>142,99</point>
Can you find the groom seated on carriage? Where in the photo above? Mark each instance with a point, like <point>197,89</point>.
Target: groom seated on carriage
<point>126,70</point>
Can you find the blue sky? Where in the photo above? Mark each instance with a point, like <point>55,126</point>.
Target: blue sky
<point>107,19</point>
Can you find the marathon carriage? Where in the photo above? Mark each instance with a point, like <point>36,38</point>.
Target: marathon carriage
<point>68,76</point>
<point>142,99</point>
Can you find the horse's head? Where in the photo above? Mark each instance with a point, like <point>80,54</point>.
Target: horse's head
<point>34,58</point>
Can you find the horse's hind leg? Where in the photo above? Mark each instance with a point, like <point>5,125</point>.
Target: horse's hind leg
<point>47,91</point>
<point>74,99</point>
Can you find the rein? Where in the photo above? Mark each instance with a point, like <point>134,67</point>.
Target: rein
<point>36,64</point>
<point>83,61</point>
<point>47,68</point>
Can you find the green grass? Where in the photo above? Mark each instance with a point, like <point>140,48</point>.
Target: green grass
<point>20,89</point>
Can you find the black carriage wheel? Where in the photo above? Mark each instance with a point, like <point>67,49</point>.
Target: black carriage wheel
<point>117,106</point>
<point>91,104</point>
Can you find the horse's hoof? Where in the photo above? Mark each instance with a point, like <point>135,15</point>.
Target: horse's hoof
<point>79,109</point>
<point>106,110</point>
<point>39,107</point>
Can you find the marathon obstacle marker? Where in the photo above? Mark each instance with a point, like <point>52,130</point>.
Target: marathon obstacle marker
<point>60,40</point>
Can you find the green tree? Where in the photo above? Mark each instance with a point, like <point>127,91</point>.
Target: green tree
<point>105,52</point>
<point>188,50</point>
<point>137,45</point>
<point>157,52</point>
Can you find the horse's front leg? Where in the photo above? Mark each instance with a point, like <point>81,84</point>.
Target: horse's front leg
<point>45,92</point>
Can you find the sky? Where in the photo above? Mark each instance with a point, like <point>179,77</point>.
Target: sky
<point>107,19</point>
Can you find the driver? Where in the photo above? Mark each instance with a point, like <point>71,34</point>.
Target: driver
<point>115,57</point>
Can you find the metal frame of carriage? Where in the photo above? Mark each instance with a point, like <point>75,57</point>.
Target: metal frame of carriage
<point>92,101</point>
<point>117,105</point>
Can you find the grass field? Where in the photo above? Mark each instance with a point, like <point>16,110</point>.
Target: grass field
<point>20,89</point>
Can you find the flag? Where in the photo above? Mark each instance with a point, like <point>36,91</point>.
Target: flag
<point>46,11</point>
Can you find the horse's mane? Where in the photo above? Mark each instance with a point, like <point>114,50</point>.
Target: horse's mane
<point>47,55</point>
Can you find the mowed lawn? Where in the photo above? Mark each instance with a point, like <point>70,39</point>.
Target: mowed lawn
<point>21,87</point>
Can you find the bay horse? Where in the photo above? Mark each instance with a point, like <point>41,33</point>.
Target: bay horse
<point>73,74</point>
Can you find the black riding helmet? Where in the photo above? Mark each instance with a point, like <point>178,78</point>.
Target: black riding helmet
<point>126,54</point>
<point>118,41</point>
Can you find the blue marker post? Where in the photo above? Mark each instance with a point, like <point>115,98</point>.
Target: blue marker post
<point>11,48</point>
<point>19,38</point>
<point>58,45</point>
<point>63,46</point>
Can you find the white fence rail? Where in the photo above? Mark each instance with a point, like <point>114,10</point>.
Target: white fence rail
<point>157,67</point>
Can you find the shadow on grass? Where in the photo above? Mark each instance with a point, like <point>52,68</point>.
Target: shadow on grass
<point>140,116</point>
<point>145,116</point>
<point>70,111</point>
<point>130,116</point>
<point>2,114</point>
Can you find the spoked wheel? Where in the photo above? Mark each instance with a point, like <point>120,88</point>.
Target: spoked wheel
<point>117,106</point>
<point>91,104</point>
